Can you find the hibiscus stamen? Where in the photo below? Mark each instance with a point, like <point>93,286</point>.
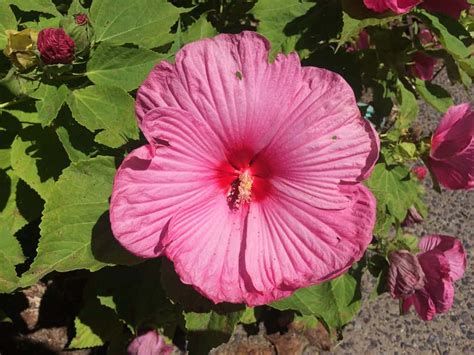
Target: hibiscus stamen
<point>240,191</point>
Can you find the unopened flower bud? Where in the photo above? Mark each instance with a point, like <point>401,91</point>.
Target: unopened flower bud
<point>55,46</point>
<point>413,217</point>
<point>81,19</point>
<point>405,274</point>
<point>420,172</point>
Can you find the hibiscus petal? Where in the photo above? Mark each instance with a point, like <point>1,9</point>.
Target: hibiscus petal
<point>456,172</point>
<point>439,284</point>
<point>452,250</point>
<point>228,82</point>
<point>324,142</point>
<point>423,304</point>
<point>295,244</point>
<point>206,244</point>
<point>151,187</point>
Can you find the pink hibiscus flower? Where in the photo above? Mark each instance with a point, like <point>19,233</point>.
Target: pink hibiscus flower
<point>250,181</point>
<point>426,281</point>
<point>397,6</point>
<point>424,65</point>
<point>451,8</point>
<point>150,343</point>
<point>452,149</point>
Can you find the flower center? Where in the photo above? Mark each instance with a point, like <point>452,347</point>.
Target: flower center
<point>240,191</point>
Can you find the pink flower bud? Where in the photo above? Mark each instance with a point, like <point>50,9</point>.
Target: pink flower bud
<point>55,46</point>
<point>413,217</point>
<point>423,67</point>
<point>150,343</point>
<point>405,274</point>
<point>396,6</point>
<point>81,19</point>
<point>420,172</point>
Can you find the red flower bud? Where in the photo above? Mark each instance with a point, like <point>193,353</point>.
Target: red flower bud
<point>55,46</point>
<point>420,172</point>
<point>81,19</point>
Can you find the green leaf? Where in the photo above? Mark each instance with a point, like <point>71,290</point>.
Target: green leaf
<point>75,229</point>
<point>7,22</point>
<point>406,150</point>
<point>38,158</point>
<point>202,28</point>
<point>97,324</point>
<point>74,154</point>
<point>45,6</point>
<point>109,110</point>
<point>434,95</point>
<point>336,301</point>
<point>10,217</point>
<point>10,255</point>
<point>356,16</point>
<point>4,318</point>
<point>76,8</point>
<point>145,23</point>
<point>208,330</point>
<point>50,104</point>
<point>121,66</point>
<point>408,107</point>
<point>393,188</point>
<point>274,16</point>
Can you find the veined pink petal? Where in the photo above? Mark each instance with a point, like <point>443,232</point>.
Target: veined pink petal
<point>424,65</point>
<point>228,82</point>
<point>150,343</point>
<point>295,244</point>
<point>423,304</point>
<point>452,148</point>
<point>439,284</point>
<point>397,6</point>
<point>451,248</point>
<point>151,187</point>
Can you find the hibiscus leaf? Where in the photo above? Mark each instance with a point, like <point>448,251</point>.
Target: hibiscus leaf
<point>408,107</point>
<point>45,6</point>
<point>7,22</point>
<point>49,105</point>
<point>355,17</point>
<point>393,188</point>
<point>274,17</point>
<point>202,28</point>
<point>38,158</point>
<point>108,110</point>
<point>336,301</point>
<point>10,255</point>
<point>146,23</point>
<point>208,330</point>
<point>434,95</point>
<point>123,67</point>
<point>75,229</point>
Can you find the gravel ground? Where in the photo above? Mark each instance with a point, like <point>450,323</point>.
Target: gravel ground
<point>378,328</point>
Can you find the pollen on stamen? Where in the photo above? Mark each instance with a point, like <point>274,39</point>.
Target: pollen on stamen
<point>240,191</point>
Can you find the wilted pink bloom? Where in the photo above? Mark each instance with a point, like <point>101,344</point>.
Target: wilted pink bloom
<point>55,46</point>
<point>397,6</point>
<point>405,275</point>
<point>413,217</point>
<point>443,261</point>
<point>452,149</point>
<point>362,42</point>
<point>81,19</point>
<point>250,181</point>
<point>150,343</point>
<point>451,8</point>
<point>423,67</point>
<point>420,172</point>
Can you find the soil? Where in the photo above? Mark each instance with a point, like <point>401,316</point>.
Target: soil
<point>43,320</point>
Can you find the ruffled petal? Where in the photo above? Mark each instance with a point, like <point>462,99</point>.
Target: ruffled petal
<point>439,284</point>
<point>452,250</point>
<point>324,142</point>
<point>154,182</point>
<point>457,172</point>
<point>228,82</point>
<point>423,304</point>
<point>293,244</point>
<point>207,243</point>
